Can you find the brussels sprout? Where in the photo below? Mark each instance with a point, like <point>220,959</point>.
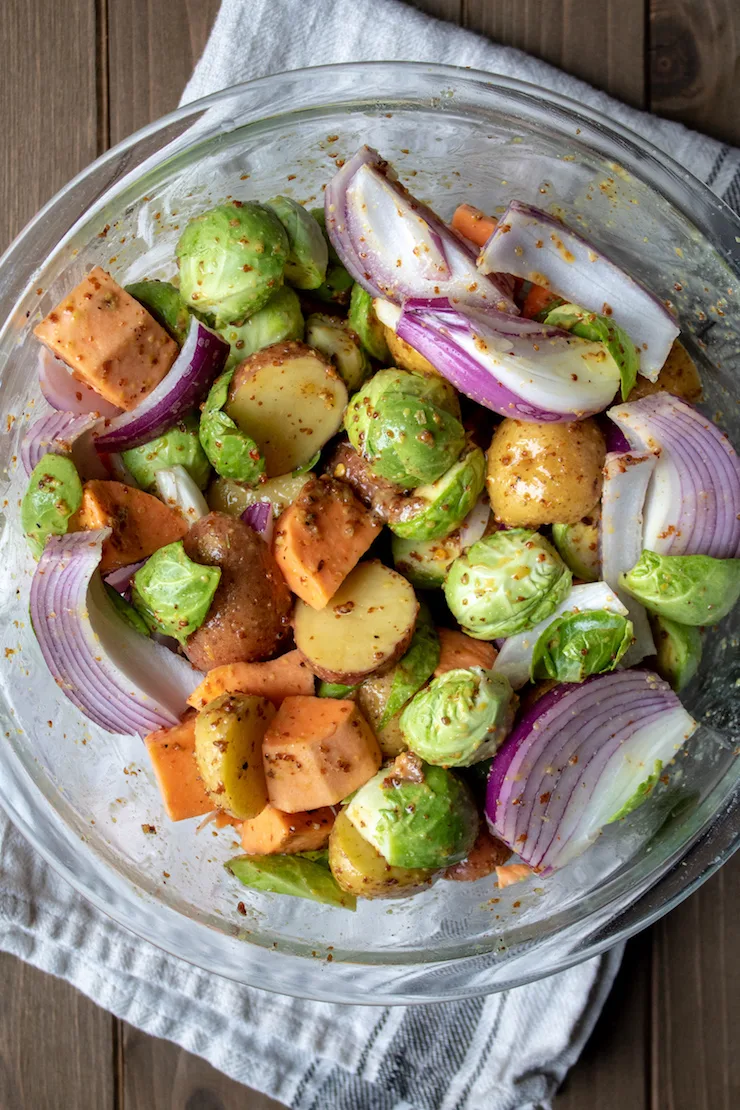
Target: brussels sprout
<point>403,425</point>
<point>308,254</point>
<point>330,335</point>
<point>689,589</point>
<point>281,319</point>
<point>578,545</point>
<point>163,300</point>
<point>361,870</point>
<point>506,583</point>
<point>230,451</point>
<point>172,593</point>
<point>415,814</point>
<point>579,644</point>
<point>600,329</point>
<point>126,611</point>
<point>435,510</point>
<point>366,325</point>
<point>231,260</point>
<point>372,698</point>
<point>337,286</point>
<point>227,496</point>
<point>425,563</point>
<point>678,649</point>
<point>335,690</point>
<point>296,875</point>
<point>53,495</point>
<point>460,718</point>
<point>178,446</point>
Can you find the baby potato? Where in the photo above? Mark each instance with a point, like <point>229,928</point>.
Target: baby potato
<point>228,750</point>
<point>679,376</point>
<point>544,473</point>
<point>405,357</point>
<point>360,869</point>
<point>372,697</point>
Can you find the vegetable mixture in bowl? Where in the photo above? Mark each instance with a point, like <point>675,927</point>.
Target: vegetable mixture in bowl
<point>394,540</point>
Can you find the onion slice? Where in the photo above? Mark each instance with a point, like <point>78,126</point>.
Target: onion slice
<point>200,360</point>
<point>693,501</point>
<point>65,393</point>
<point>515,367</point>
<point>515,657</point>
<point>396,247</point>
<point>176,487</point>
<point>580,757</point>
<point>260,519</point>
<point>121,680</point>
<point>537,247</point>
<point>64,433</point>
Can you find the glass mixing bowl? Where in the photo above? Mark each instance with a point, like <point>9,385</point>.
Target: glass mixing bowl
<point>81,796</point>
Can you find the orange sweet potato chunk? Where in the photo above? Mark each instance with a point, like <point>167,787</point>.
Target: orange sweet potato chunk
<point>321,537</point>
<point>274,831</point>
<point>276,679</point>
<point>458,651</point>
<point>316,752</point>
<point>140,522</point>
<point>108,340</point>
<point>172,752</point>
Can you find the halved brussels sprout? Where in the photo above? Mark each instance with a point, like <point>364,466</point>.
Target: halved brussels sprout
<point>330,335</point>
<point>178,446</point>
<point>600,329</point>
<point>690,589</point>
<point>126,611</point>
<point>678,649</point>
<point>506,583</point>
<point>435,510</point>
<point>172,593</point>
<point>53,495</point>
<point>578,545</point>
<point>308,254</point>
<point>577,645</point>
<point>164,301</point>
<point>280,319</point>
<point>228,496</point>
<point>425,563</point>
<point>230,451</point>
<point>298,875</point>
<point>365,323</point>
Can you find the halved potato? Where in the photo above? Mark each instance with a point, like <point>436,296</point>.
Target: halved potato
<point>372,698</point>
<point>228,750</point>
<point>366,626</point>
<point>290,400</point>
<point>360,869</point>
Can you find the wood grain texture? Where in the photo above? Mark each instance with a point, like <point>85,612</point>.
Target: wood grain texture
<point>694,64</point>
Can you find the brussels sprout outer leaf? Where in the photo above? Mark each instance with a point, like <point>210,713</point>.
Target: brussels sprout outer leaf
<point>231,452</point>
<point>178,446</point>
<point>643,792</point>
<point>578,546</point>
<point>295,875</point>
<point>577,645</point>
<point>335,690</point>
<point>53,495</point>
<point>600,329</point>
<point>365,323</point>
<point>126,611</point>
<point>678,650</point>
<point>172,593</point>
<point>437,509</point>
<point>299,470</point>
<point>690,589</point>
<point>279,321</point>
<point>414,668</point>
<point>163,301</point>
<point>308,254</point>
<point>336,288</point>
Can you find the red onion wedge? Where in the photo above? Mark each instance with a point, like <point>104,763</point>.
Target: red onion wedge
<point>537,247</point>
<point>64,433</point>
<point>121,680</point>
<point>65,393</point>
<point>581,757</point>
<point>260,519</point>
<point>121,579</point>
<point>201,359</point>
<point>396,247</point>
<point>515,656</point>
<point>515,367</point>
<point>176,488</point>
<point>626,480</point>
<point>693,501</point>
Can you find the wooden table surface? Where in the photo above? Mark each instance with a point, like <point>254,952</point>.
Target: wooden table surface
<point>82,74</point>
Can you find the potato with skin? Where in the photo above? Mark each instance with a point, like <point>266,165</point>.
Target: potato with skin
<point>360,869</point>
<point>544,473</point>
<point>485,856</point>
<point>250,614</point>
<point>404,355</point>
<point>372,697</point>
<point>679,376</point>
<point>228,750</point>
<point>376,493</point>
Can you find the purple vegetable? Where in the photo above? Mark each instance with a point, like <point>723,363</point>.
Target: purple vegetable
<point>259,517</point>
<point>64,433</point>
<point>64,393</point>
<point>121,579</point>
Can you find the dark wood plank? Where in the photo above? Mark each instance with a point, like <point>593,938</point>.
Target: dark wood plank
<point>694,70</point>
<point>451,10</point>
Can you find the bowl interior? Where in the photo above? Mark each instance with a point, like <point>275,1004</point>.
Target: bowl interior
<point>87,798</point>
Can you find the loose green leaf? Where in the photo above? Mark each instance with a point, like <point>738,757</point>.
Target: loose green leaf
<point>172,593</point>
<point>178,446</point>
<point>335,690</point>
<point>294,875</point>
<point>366,325</point>
<point>577,645</point>
<point>231,452</point>
<point>689,589</point>
<point>306,466</point>
<point>163,301</point>
<point>643,792</point>
<point>678,650</point>
<point>53,495</point>
<point>126,611</point>
<point>414,668</point>
<point>601,329</point>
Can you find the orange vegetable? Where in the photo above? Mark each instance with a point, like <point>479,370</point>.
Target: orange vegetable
<point>473,224</point>
<point>512,873</point>
<point>276,680</point>
<point>321,537</point>
<point>140,522</point>
<point>172,752</point>
<point>108,340</point>
<point>460,651</point>
<point>316,752</point>
<point>273,831</point>
<point>539,301</point>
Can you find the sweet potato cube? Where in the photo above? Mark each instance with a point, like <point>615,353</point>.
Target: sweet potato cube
<point>172,752</point>
<point>108,340</point>
<point>274,831</point>
<point>316,752</point>
<point>321,537</point>
<point>458,651</point>
<point>276,679</point>
<point>140,522</point>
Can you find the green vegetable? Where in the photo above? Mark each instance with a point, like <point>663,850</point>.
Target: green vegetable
<point>415,814</point>
<point>644,790</point>
<point>415,667</point>
<point>164,302</point>
<point>577,645</point>
<point>228,496</point>
<point>689,589</point>
<point>231,260</point>
<point>296,875</point>
<point>303,471</point>
<point>178,446</point>
<point>433,511</point>
<point>366,325</point>
<point>678,649</point>
<point>172,593</point>
<point>308,254</point>
<point>53,495</point>
<point>231,452</point>
<point>405,425</point>
<point>425,562</point>
<point>280,320</point>
<point>335,690</point>
<point>330,335</point>
<point>126,611</point>
<point>506,583</point>
<point>337,285</point>
<point>578,545</point>
<point>601,329</point>
<point>460,718</point>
